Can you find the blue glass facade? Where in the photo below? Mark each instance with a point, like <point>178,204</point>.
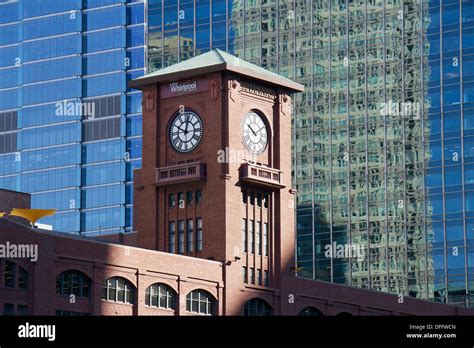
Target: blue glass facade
<point>70,129</point>
<point>383,135</point>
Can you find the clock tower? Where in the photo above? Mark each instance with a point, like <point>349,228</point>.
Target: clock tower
<point>215,182</point>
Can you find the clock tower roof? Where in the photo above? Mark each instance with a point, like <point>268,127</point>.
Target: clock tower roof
<point>213,61</point>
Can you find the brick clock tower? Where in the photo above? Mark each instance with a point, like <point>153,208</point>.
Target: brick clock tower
<point>216,176</point>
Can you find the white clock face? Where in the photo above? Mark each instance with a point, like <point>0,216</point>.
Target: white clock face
<point>254,133</point>
<point>185,131</point>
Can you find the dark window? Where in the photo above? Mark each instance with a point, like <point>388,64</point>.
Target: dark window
<point>310,311</point>
<point>265,200</point>
<point>160,296</point>
<point>8,309</point>
<point>8,143</point>
<point>23,279</point>
<point>259,199</point>
<point>189,197</point>
<point>8,121</point>
<point>244,274</point>
<point>265,239</point>
<point>259,276</point>
<point>73,283</point>
<point>10,273</point>
<point>172,232</point>
<point>258,236</point>
<point>201,302</point>
<point>199,234</point>
<point>190,235</point>
<point>198,196</point>
<point>106,106</point>
<point>252,198</point>
<point>101,129</point>
<point>180,237</point>
<point>252,275</point>
<point>265,278</point>
<point>22,310</point>
<point>244,197</point>
<point>252,237</point>
<point>171,200</point>
<point>181,200</point>
<point>118,289</point>
<point>257,307</point>
<point>244,235</point>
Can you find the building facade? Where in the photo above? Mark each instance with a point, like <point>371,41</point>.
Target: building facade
<point>70,128</point>
<point>382,136</point>
<point>230,218</point>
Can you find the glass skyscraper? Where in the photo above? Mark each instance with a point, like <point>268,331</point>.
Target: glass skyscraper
<point>70,130</point>
<point>383,135</point>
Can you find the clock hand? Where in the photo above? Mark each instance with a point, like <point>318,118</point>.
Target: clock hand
<point>252,130</point>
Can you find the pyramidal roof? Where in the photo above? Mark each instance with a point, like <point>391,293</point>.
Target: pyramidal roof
<point>215,60</point>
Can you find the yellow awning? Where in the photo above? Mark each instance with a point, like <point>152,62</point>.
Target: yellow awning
<point>32,215</point>
<point>2,214</point>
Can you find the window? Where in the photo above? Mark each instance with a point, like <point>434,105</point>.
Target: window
<point>252,237</point>
<point>259,277</point>
<point>244,197</point>
<point>189,197</point>
<point>199,234</point>
<point>190,235</point>
<point>73,283</point>
<point>244,235</point>
<point>310,311</point>
<point>252,275</point>
<point>252,198</point>
<point>118,289</point>
<point>258,237</point>
<point>257,307</point>
<point>22,310</point>
<point>172,232</point>
<point>8,309</point>
<point>265,278</point>
<point>265,239</point>
<point>160,296</point>
<point>265,200</point>
<point>171,200</point>
<point>10,273</point>
<point>181,200</point>
<point>201,302</point>
<point>198,196</point>
<point>181,237</point>
<point>244,274</point>
<point>259,199</point>
<point>23,279</point>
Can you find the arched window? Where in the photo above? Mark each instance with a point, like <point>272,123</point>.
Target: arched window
<point>257,307</point>
<point>201,302</point>
<point>310,312</point>
<point>118,289</point>
<point>160,296</point>
<point>73,283</point>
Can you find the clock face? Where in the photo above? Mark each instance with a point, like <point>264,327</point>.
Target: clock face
<point>254,133</point>
<point>185,131</point>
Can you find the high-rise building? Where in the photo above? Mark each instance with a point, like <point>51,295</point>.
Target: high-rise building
<point>70,130</point>
<point>383,145</point>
